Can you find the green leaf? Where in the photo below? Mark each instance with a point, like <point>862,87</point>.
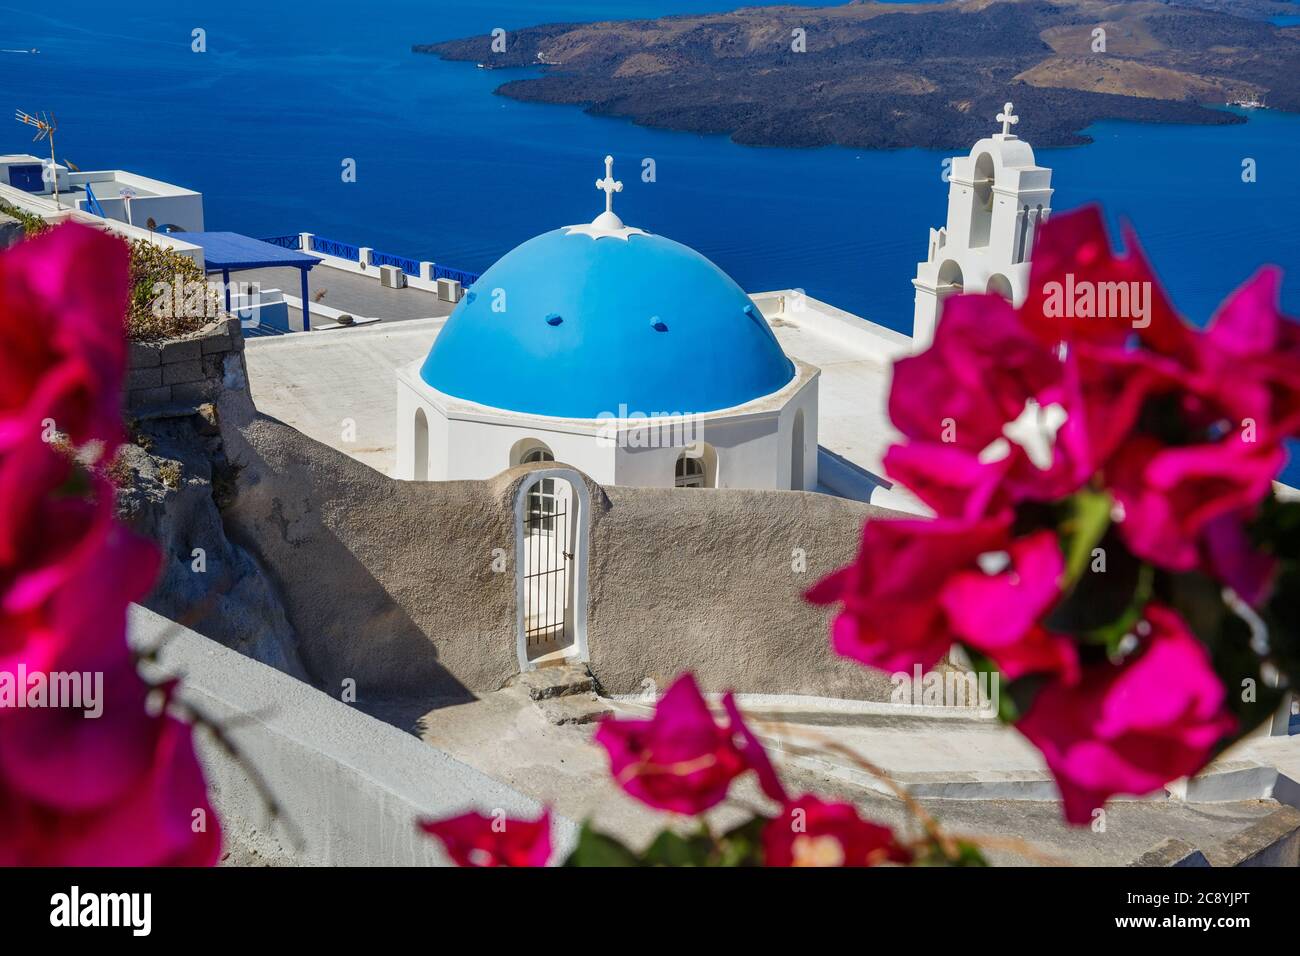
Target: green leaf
<point>672,849</point>
<point>743,845</point>
<point>1087,524</point>
<point>968,854</point>
<point>1008,708</point>
<point>598,849</point>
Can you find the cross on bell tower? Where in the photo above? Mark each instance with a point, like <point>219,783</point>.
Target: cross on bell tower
<point>1008,119</point>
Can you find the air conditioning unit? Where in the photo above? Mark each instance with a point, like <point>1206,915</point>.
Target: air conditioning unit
<point>449,290</point>
<point>391,277</point>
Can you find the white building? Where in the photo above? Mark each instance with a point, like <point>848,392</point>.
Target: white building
<point>997,197</point>
<point>624,354</point>
<point>109,193</point>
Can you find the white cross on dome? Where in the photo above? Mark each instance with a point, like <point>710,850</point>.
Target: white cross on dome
<point>609,185</point>
<point>607,224</point>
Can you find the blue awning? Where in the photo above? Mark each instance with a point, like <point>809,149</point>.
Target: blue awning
<point>230,251</point>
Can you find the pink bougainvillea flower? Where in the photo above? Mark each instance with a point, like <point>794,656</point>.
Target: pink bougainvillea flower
<point>995,608</point>
<point>45,532</point>
<point>1232,558</point>
<point>920,586</point>
<point>953,481</point>
<point>167,820</point>
<point>101,780</point>
<point>891,616</point>
<point>63,298</point>
<point>81,629</point>
<point>1252,348</point>
<point>473,839</point>
<point>1183,428</point>
<point>98,759</point>
<point>981,369</point>
<point>973,403</point>
<point>681,759</point>
<point>811,832</point>
<point>753,752</point>
<point>1131,728</point>
<point>1171,495</point>
<point>1073,254</point>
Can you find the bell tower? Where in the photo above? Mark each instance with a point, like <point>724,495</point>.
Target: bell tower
<point>997,197</point>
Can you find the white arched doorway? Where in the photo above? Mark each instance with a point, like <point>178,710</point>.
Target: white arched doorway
<point>420,447</point>
<point>552,510</point>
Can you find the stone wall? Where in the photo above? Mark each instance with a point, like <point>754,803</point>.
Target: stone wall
<point>397,585</point>
<point>188,370</point>
<point>11,231</point>
<point>713,582</point>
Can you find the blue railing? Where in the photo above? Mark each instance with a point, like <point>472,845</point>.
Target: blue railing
<point>345,250</point>
<point>92,201</point>
<point>466,279</point>
<point>285,242</point>
<point>331,247</point>
<point>409,266</point>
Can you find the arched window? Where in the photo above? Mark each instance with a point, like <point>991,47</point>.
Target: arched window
<point>690,471</point>
<point>541,498</point>
<point>1001,285</point>
<point>950,282</point>
<point>420,450</point>
<point>982,202</point>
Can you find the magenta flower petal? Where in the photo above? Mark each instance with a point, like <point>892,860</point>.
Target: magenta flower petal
<point>473,839</point>
<point>1131,728</point>
<point>679,760</point>
<point>813,832</point>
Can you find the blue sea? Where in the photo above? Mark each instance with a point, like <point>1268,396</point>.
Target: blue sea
<point>262,121</point>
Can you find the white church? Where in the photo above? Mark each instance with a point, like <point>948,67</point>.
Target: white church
<point>638,361</point>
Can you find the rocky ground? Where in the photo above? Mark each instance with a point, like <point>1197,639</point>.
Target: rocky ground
<point>173,481</point>
<point>884,75</point>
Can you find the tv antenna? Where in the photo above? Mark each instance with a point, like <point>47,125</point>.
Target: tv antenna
<point>46,125</point>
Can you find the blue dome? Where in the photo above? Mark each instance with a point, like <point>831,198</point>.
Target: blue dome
<point>590,325</point>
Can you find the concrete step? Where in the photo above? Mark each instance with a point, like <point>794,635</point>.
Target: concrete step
<point>561,680</point>
<point>573,709</point>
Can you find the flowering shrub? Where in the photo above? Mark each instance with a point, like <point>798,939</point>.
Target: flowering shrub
<point>1106,535</point>
<point>121,787</point>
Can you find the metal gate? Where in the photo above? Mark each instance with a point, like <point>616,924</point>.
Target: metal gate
<point>548,567</point>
